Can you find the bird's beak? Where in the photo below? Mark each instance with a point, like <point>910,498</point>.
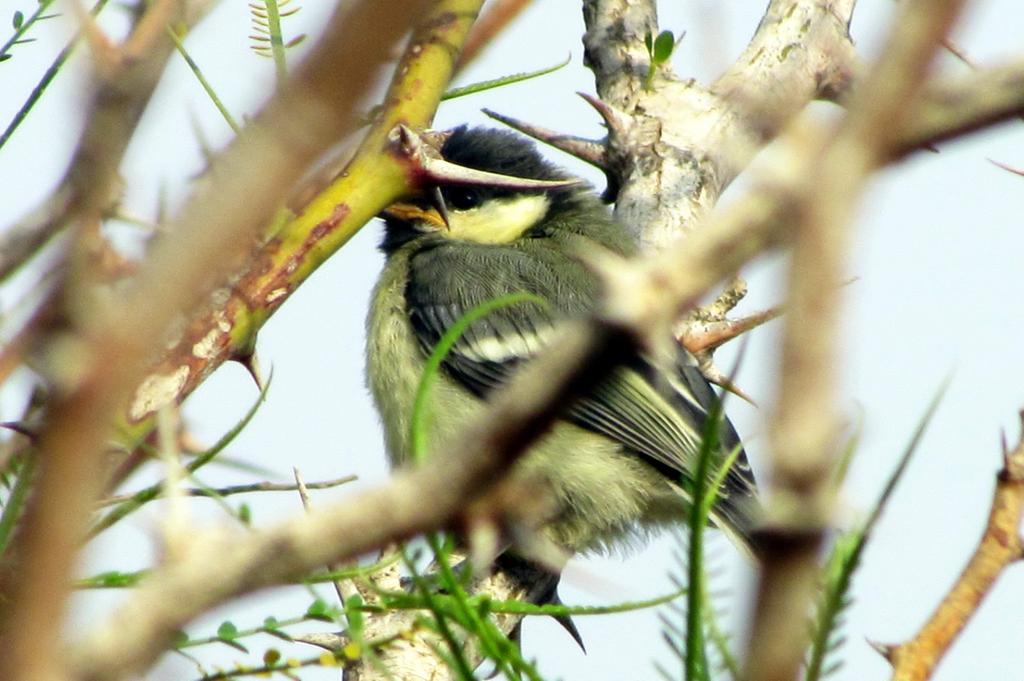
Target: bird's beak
<point>413,214</point>
<point>435,215</point>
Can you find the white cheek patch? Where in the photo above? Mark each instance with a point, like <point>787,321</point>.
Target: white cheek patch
<point>498,221</point>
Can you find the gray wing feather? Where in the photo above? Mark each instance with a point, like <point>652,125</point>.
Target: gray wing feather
<point>660,420</point>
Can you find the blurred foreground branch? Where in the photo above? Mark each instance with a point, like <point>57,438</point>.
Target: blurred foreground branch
<point>805,429</point>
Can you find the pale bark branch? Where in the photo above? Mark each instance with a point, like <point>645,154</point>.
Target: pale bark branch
<point>684,142</point>
<point>50,533</point>
<point>128,75</point>
<point>645,296</point>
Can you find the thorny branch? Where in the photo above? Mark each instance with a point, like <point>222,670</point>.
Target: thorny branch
<point>1000,547</point>
<point>256,171</point>
<point>241,489</point>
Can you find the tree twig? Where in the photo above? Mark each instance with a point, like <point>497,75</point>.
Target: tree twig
<point>342,587</point>
<point>1000,547</point>
<point>128,73</point>
<point>954,106</point>
<point>250,488</point>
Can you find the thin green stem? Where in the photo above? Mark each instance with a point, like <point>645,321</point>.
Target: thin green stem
<point>846,554</point>
<point>458,659</point>
<point>150,493</point>
<point>231,490</point>
<point>696,665</point>
<point>228,118</point>
<point>472,620</point>
<point>720,640</point>
<point>524,608</point>
<point>44,82</point>
<point>25,26</point>
<point>485,85</point>
<point>276,39</point>
<point>418,422</point>
<point>244,633</point>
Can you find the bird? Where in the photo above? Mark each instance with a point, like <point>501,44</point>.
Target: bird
<point>619,463</point>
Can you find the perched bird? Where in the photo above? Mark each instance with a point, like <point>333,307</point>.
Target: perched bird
<point>621,459</point>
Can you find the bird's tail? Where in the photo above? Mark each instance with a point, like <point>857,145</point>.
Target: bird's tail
<point>738,519</point>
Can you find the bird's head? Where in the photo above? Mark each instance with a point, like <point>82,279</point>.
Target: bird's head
<point>486,213</point>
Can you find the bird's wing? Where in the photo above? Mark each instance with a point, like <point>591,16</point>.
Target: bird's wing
<point>447,280</point>
<point>659,415</point>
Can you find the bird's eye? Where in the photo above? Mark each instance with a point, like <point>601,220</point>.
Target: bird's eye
<point>462,198</point>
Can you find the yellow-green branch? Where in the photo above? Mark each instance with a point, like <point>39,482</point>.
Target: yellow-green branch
<point>301,242</point>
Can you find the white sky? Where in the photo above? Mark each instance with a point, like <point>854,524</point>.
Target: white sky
<point>937,252</point>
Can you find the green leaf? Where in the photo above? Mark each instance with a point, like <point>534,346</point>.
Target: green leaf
<point>649,43</point>
<point>354,615</point>
<point>18,20</point>
<point>227,631</point>
<point>245,514</point>
<point>318,610</point>
<point>118,579</point>
<point>503,80</point>
<point>664,44</point>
